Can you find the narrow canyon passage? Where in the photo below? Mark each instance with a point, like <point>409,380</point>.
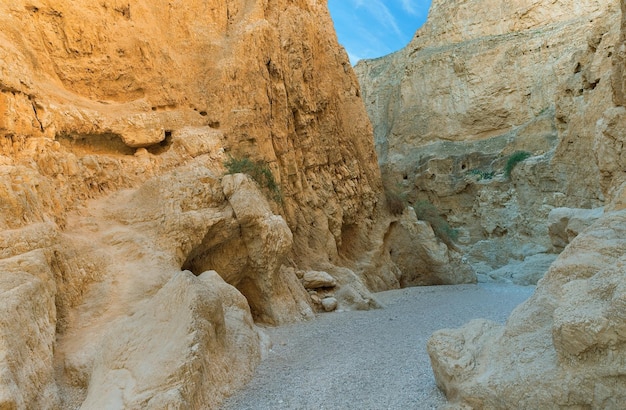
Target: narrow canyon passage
<point>370,359</point>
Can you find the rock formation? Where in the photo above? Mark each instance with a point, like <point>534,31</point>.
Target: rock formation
<point>565,346</point>
<point>481,81</point>
<point>133,269</point>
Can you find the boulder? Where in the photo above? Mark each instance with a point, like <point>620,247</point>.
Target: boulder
<point>27,332</point>
<point>329,304</point>
<point>564,347</point>
<point>421,257</point>
<point>178,338</point>
<point>564,224</point>
<point>318,279</point>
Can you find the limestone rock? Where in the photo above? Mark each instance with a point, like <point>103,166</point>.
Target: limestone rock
<point>525,272</point>
<point>273,293</point>
<point>563,347</point>
<point>428,261</point>
<point>446,118</point>
<point>27,336</point>
<point>179,338</point>
<point>329,304</point>
<point>318,279</point>
<point>115,122</point>
<point>134,265</point>
<point>469,97</point>
<point>565,224</point>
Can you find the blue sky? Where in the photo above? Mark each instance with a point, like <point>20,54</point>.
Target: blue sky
<point>374,28</point>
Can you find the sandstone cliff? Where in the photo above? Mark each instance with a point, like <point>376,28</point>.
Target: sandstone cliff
<point>133,271</point>
<point>479,82</point>
<point>482,80</point>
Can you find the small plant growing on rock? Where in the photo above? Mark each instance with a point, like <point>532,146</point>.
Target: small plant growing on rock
<point>514,159</point>
<point>396,201</point>
<point>480,175</point>
<point>258,170</point>
<point>428,212</point>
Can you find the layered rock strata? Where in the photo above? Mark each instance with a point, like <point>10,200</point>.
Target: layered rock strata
<point>133,269</point>
<point>478,83</point>
<point>565,347</point>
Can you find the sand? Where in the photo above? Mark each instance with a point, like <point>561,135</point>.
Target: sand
<point>370,359</point>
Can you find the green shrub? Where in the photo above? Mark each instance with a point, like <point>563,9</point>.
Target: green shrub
<point>514,159</point>
<point>396,201</point>
<point>482,174</point>
<point>428,212</point>
<point>259,171</point>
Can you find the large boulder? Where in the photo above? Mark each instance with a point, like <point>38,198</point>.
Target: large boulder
<point>564,347</point>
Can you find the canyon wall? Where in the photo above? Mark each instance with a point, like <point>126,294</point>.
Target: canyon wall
<point>566,346</point>
<point>480,82</point>
<point>134,271</point>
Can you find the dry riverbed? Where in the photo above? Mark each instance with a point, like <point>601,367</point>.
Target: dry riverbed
<point>370,360</point>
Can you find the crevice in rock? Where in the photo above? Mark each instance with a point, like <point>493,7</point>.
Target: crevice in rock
<point>162,146</point>
<point>34,104</point>
<point>104,143</point>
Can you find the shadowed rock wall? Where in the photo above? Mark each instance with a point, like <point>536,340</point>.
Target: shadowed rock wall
<point>479,82</point>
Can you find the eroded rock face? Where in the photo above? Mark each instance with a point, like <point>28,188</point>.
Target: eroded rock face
<point>148,267</point>
<point>422,258</point>
<point>479,82</point>
<point>565,347</point>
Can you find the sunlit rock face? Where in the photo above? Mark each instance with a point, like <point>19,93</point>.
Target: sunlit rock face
<point>133,269</point>
<point>479,82</point>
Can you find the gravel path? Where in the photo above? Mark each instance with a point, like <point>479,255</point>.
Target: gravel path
<point>370,360</point>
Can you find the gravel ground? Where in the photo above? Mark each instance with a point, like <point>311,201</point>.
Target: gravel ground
<point>370,360</point>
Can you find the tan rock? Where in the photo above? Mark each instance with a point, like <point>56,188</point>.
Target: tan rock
<point>275,294</point>
<point>115,121</point>
<point>563,347</point>
<point>428,261</point>
<point>566,342</point>
<point>318,279</point>
<point>27,337</point>
<point>181,337</point>
<point>521,272</point>
<point>447,119</point>
<point>329,304</point>
<point>566,223</point>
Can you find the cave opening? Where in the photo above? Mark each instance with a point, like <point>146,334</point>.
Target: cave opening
<point>223,250</point>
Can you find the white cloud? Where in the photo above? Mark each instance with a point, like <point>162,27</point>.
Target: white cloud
<point>381,13</point>
<point>407,5</point>
<point>418,8</point>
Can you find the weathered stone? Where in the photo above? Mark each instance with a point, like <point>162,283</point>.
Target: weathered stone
<point>525,272</point>
<point>318,279</point>
<point>115,122</point>
<point>566,223</point>
<point>446,121</point>
<point>329,304</point>
<point>422,258</point>
<point>27,337</point>
<point>178,338</point>
<point>446,118</point>
<point>566,343</point>
<point>563,347</point>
